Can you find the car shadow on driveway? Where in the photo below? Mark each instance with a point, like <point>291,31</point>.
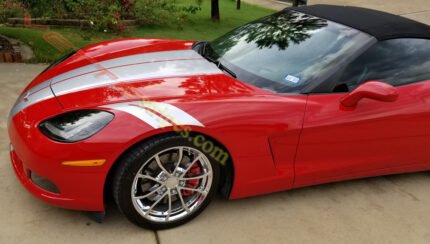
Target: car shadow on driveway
<point>391,208</point>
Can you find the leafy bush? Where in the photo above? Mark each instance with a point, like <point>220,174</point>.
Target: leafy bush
<point>45,8</point>
<point>128,9</point>
<point>10,9</point>
<point>163,12</point>
<point>103,15</point>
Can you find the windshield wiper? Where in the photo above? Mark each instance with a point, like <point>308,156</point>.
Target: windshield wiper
<point>221,66</point>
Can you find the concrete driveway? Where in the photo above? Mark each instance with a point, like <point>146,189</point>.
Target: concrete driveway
<point>393,209</point>
<point>414,9</point>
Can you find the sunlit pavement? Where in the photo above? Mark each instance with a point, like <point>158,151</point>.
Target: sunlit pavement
<point>270,4</point>
<point>394,209</point>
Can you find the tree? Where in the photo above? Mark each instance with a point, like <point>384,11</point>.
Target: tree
<point>238,4</point>
<point>280,30</point>
<point>215,10</point>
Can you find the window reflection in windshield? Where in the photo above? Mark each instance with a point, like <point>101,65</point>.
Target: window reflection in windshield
<point>286,52</point>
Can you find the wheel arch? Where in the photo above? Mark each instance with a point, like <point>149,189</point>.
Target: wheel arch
<point>227,170</point>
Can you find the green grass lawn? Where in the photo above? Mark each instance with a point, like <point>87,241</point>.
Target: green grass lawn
<point>197,27</point>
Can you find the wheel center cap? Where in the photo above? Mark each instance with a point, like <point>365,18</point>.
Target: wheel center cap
<point>172,182</point>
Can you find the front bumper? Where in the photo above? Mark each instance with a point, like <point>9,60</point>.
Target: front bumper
<point>24,175</point>
<point>32,153</point>
<point>80,194</point>
<point>79,188</point>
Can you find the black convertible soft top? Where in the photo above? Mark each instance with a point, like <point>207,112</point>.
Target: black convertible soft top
<point>379,24</point>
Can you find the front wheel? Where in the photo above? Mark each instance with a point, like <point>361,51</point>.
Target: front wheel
<point>165,182</point>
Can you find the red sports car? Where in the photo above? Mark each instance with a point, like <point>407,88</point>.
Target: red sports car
<point>306,96</point>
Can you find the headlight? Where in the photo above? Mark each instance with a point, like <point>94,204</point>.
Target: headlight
<point>75,126</point>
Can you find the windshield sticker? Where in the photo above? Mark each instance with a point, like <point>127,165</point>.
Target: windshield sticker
<point>292,79</point>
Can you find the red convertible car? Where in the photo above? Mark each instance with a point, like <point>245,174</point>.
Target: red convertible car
<point>305,96</point>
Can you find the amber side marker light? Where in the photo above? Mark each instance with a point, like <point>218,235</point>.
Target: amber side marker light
<point>85,163</point>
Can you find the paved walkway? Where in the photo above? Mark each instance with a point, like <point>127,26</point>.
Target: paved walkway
<point>415,9</point>
<point>270,4</point>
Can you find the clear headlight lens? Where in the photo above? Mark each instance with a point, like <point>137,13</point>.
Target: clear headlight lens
<point>76,125</point>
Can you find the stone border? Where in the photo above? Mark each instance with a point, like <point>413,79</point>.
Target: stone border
<point>73,23</point>
<point>24,51</point>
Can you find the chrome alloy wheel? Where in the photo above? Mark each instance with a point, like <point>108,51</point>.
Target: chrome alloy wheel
<point>172,184</point>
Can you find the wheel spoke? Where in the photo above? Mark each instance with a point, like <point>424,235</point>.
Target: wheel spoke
<point>182,200</point>
<point>148,194</point>
<point>169,210</point>
<point>149,178</point>
<point>193,189</point>
<point>165,187</point>
<point>157,159</point>
<point>191,165</point>
<point>155,203</point>
<point>197,177</point>
<point>180,155</point>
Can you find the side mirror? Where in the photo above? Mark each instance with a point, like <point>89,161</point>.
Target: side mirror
<point>375,90</point>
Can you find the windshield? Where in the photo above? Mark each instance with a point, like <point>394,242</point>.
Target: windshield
<point>288,52</point>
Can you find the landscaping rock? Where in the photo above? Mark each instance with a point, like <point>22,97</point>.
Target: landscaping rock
<point>14,51</point>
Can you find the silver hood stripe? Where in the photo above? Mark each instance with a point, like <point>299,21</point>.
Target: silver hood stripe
<point>150,111</point>
<point>128,60</point>
<point>136,72</point>
<point>126,69</point>
<point>36,94</point>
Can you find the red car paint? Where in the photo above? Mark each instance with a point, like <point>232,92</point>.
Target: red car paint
<point>373,139</point>
<point>276,142</point>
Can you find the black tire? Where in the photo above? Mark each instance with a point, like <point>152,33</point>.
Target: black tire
<point>132,162</point>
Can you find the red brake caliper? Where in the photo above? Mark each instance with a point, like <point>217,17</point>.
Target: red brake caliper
<point>195,170</point>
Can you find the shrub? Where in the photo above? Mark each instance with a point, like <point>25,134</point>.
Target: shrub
<point>45,8</point>
<point>10,9</point>
<point>163,12</point>
<point>128,9</point>
<point>103,15</point>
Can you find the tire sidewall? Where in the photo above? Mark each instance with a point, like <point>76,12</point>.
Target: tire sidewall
<point>132,163</point>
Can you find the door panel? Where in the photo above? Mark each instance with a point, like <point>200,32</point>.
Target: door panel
<point>336,143</point>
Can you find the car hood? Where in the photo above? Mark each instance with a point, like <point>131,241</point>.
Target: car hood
<point>135,69</point>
